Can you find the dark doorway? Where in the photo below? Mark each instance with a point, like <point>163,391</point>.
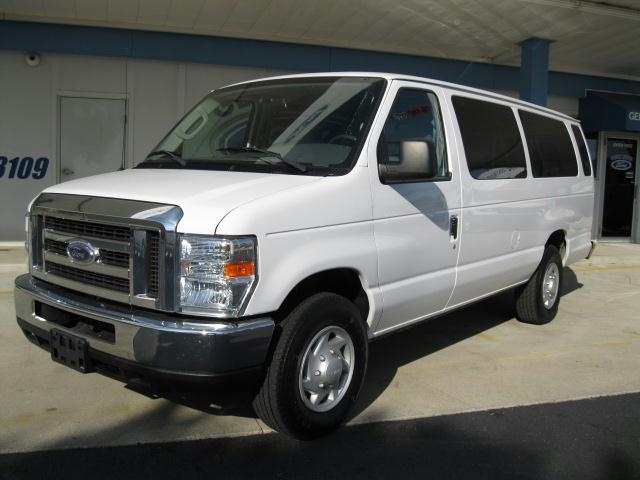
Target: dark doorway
<point>619,187</point>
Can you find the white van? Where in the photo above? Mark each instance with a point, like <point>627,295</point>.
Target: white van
<point>283,223</point>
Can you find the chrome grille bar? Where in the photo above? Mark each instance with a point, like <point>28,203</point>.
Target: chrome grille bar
<point>88,229</point>
<point>98,267</point>
<point>101,243</point>
<point>92,278</point>
<point>85,287</point>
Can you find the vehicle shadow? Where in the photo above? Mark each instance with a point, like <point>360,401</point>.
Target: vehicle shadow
<point>228,399</point>
<point>516,443</point>
<point>389,353</point>
<point>386,356</point>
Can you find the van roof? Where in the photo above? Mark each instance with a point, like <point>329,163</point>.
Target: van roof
<point>430,81</point>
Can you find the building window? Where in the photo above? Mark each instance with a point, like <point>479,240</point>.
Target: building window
<point>550,148</point>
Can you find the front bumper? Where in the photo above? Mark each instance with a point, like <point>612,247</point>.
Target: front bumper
<point>131,342</point>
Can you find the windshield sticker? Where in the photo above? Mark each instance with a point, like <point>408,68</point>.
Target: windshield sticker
<point>414,112</point>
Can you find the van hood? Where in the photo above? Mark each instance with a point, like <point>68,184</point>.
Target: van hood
<point>204,196</point>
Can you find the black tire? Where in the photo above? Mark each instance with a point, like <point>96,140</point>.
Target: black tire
<point>279,402</point>
<point>530,306</point>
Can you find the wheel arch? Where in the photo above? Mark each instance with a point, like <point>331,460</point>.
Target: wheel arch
<point>344,281</point>
<point>559,240</point>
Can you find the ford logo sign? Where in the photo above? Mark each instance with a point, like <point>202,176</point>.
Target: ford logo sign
<point>621,165</point>
<point>82,252</point>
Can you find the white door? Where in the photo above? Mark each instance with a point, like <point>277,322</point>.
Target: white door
<point>503,233</point>
<point>417,248</point>
<point>91,136</point>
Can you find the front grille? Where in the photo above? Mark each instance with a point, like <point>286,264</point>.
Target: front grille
<point>126,269</point>
<point>153,255</point>
<point>108,257</point>
<point>56,247</point>
<point>117,259</point>
<point>88,229</point>
<point>91,278</point>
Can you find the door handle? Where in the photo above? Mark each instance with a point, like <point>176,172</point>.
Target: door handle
<point>453,226</point>
<point>67,171</point>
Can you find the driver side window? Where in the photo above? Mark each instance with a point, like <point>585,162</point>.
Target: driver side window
<point>415,115</point>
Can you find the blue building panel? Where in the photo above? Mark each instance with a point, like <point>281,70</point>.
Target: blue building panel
<point>610,112</point>
<point>42,37</point>
<point>229,51</point>
<point>534,71</point>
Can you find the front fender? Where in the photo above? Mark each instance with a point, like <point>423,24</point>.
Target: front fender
<point>287,258</point>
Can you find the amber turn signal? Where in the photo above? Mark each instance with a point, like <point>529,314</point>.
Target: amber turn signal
<point>244,269</point>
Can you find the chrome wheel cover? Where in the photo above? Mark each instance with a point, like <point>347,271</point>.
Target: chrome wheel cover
<point>550,286</point>
<point>326,369</point>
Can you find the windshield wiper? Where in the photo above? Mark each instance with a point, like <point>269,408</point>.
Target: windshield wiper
<point>168,154</point>
<point>266,153</point>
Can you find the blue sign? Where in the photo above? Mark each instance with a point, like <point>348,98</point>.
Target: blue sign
<point>601,111</point>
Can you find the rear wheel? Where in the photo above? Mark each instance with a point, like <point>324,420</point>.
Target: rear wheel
<point>537,301</point>
<point>317,368</point>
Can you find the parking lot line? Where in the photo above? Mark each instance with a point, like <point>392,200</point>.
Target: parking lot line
<point>609,267</point>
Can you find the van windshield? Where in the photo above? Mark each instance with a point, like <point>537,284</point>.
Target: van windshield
<point>313,126</point>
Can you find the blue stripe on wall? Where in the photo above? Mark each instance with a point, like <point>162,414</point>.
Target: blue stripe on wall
<point>43,37</point>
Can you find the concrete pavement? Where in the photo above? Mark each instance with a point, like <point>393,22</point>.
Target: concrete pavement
<point>475,359</point>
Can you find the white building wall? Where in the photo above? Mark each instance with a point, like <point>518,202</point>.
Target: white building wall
<point>157,95</point>
<point>28,112</point>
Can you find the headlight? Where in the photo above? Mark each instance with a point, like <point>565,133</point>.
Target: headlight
<point>216,274</point>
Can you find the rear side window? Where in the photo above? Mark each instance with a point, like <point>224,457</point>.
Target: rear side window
<point>582,148</point>
<point>491,139</point>
<point>550,148</point>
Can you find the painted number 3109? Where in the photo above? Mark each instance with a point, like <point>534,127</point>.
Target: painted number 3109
<point>25,167</point>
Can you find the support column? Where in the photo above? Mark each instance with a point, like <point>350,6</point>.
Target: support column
<point>534,70</point>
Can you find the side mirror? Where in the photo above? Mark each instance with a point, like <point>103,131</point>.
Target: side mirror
<point>417,162</point>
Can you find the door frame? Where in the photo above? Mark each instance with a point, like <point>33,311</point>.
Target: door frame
<point>603,138</point>
<point>92,96</point>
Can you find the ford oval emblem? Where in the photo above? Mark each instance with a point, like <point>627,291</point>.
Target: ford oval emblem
<point>82,252</point>
<point>621,165</point>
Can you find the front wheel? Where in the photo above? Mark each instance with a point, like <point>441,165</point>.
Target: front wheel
<point>317,368</point>
<point>537,301</point>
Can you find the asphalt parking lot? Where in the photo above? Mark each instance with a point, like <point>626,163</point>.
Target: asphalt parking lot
<point>574,381</point>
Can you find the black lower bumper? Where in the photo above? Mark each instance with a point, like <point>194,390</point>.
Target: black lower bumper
<point>136,373</point>
<point>140,345</point>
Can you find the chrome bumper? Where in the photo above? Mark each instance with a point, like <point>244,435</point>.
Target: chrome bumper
<point>153,340</point>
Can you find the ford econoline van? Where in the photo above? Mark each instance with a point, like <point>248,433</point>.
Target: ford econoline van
<point>284,223</point>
